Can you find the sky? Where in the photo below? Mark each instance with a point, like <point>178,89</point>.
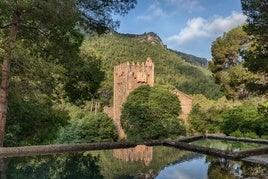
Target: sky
<point>189,26</point>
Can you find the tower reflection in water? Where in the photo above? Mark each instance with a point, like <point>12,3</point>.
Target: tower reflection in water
<point>138,153</point>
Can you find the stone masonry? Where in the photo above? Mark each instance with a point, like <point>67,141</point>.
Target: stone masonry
<point>186,104</point>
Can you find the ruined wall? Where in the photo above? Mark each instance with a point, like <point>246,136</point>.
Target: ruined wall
<point>186,104</point>
<point>127,77</point>
<point>109,111</point>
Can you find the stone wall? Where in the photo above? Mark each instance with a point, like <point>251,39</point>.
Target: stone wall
<point>186,104</point>
<point>109,111</point>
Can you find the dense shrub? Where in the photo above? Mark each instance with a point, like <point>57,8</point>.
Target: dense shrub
<point>151,113</point>
<point>205,115</point>
<point>245,121</point>
<point>204,121</point>
<point>247,118</point>
<point>90,128</point>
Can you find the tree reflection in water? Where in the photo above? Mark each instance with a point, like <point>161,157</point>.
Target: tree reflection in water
<point>74,165</point>
<point>251,170</point>
<point>224,168</point>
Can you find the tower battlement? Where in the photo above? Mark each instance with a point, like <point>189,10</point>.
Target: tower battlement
<point>134,65</point>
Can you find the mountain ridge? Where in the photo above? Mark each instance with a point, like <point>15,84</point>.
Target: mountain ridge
<point>154,39</point>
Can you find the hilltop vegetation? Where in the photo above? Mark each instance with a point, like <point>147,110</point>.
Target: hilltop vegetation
<point>203,62</point>
<point>170,69</point>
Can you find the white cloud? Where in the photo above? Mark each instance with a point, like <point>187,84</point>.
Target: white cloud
<point>200,27</point>
<point>153,12</point>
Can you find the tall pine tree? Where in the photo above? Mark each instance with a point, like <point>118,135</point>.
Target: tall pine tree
<point>256,57</point>
<point>257,18</point>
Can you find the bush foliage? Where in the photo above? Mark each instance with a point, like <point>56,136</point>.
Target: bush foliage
<point>245,121</point>
<point>246,118</point>
<point>88,128</point>
<point>151,113</point>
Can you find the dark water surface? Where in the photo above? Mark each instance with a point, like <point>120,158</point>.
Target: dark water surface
<point>138,162</point>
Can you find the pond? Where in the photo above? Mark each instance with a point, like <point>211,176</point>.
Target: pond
<point>139,162</point>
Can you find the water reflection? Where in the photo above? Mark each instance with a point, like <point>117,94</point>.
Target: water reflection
<point>139,162</point>
<point>140,152</point>
<point>122,163</point>
<point>74,165</point>
<point>222,168</point>
<point>227,145</point>
<point>194,167</point>
<point>203,167</point>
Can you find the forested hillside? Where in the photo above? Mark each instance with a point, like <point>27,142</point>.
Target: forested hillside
<point>170,68</point>
<point>203,62</point>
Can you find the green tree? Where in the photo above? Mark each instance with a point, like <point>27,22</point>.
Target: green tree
<point>89,128</point>
<point>257,18</point>
<point>244,120</point>
<point>225,50</point>
<point>256,56</point>
<point>151,113</point>
<point>50,27</point>
<point>32,121</point>
<point>204,121</point>
<point>227,66</point>
<point>83,79</point>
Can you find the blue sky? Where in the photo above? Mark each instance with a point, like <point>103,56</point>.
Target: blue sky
<point>188,26</point>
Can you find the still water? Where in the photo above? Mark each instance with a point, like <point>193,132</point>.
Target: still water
<point>139,162</point>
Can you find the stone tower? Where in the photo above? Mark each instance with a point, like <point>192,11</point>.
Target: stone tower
<point>127,77</point>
